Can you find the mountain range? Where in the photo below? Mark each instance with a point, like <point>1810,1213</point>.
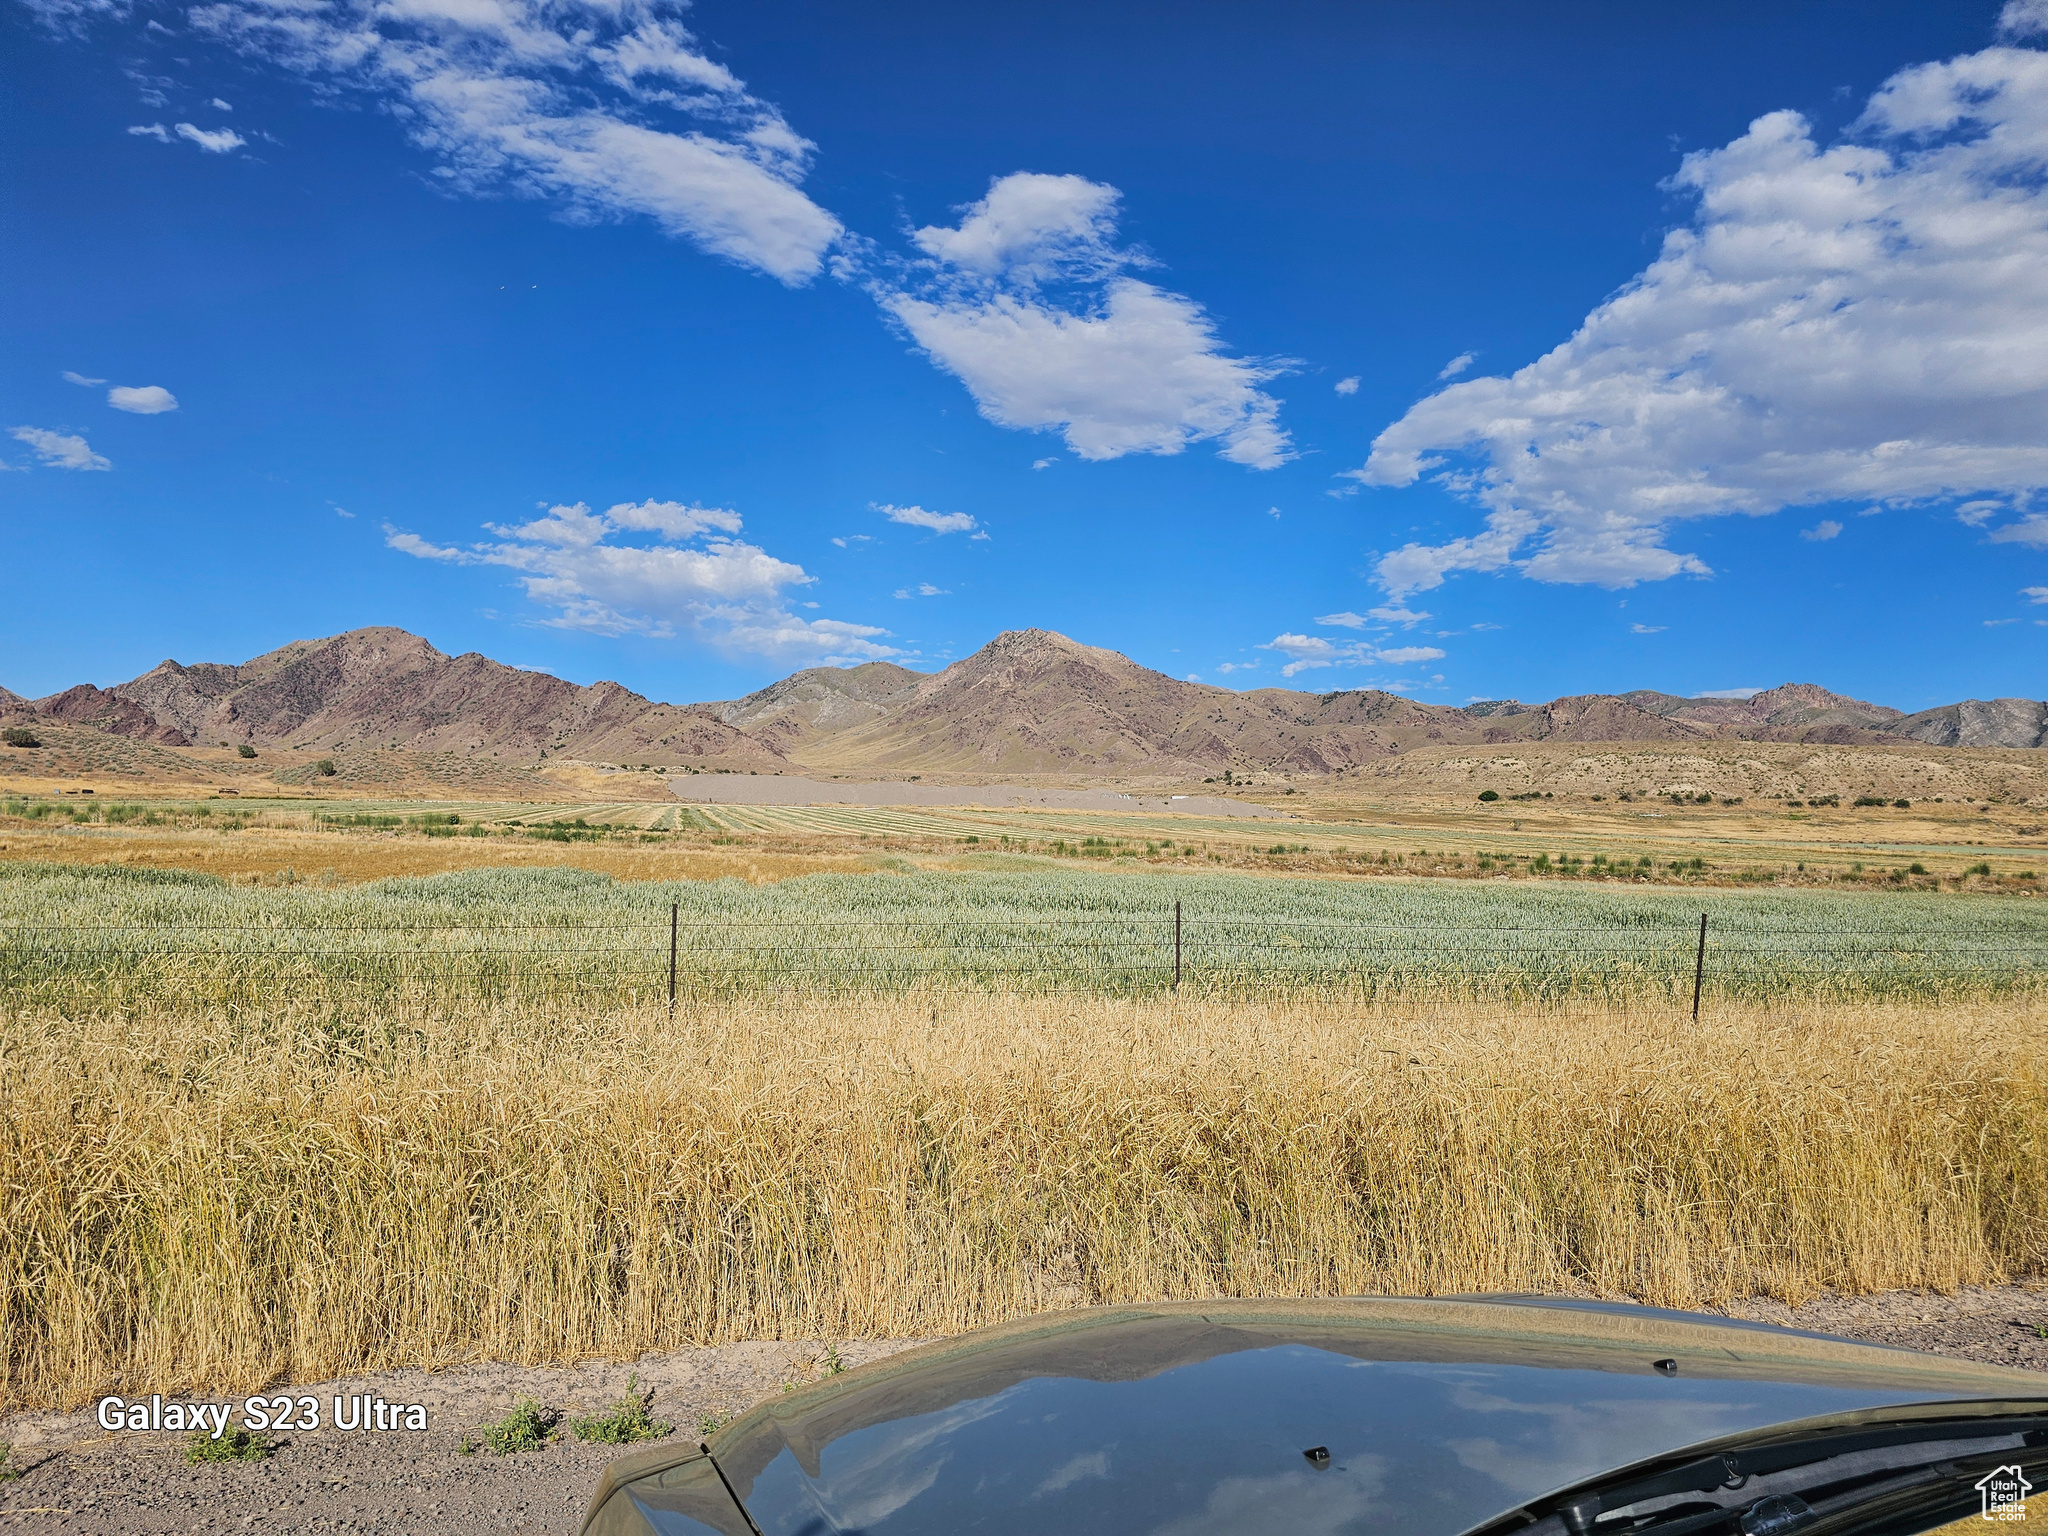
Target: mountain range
<point>1029,701</point>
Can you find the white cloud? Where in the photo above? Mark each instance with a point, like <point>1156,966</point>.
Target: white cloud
<point>1044,463</point>
<point>1347,386</point>
<point>2023,18</point>
<point>78,378</point>
<point>2035,594</point>
<point>155,131</point>
<point>614,110</point>
<point>1728,693</point>
<point>1457,365</point>
<point>60,450</point>
<point>218,105</point>
<point>917,517</point>
<point>1975,514</point>
<point>1867,320</point>
<point>1305,652</point>
<point>1273,512</point>
<point>1827,528</point>
<point>2031,531</point>
<point>1994,623</point>
<point>923,589</point>
<point>1028,301</point>
<point>142,400</point>
<point>217,141</point>
<point>1407,618</point>
<point>1646,629</point>
<point>1345,620</point>
<point>580,564</point>
<point>1237,666</point>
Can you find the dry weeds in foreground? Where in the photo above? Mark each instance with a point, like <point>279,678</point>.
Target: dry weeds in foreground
<point>226,1200</point>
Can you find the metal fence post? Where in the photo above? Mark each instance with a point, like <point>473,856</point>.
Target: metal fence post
<point>674,912</point>
<point>1699,969</point>
<point>1176,946</point>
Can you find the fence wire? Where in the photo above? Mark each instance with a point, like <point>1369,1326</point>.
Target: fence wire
<point>1096,953</point>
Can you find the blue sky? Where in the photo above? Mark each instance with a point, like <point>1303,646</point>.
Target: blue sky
<point>1473,350</point>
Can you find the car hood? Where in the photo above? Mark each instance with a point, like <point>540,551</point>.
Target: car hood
<point>1196,1418</point>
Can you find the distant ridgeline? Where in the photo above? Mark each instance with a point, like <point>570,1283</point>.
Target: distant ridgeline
<point>1029,701</point>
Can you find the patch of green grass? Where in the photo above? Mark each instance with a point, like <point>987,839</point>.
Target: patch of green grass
<point>709,1424</point>
<point>7,1474</point>
<point>630,1420</point>
<point>235,1445</point>
<point>527,1427</point>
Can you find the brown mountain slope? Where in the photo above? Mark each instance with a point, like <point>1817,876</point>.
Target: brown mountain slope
<point>819,701</point>
<point>383,688</point>
<point>1978,723</point>
<point>1029,702</point>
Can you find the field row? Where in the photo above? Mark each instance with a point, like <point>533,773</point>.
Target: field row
<point>86,936</point>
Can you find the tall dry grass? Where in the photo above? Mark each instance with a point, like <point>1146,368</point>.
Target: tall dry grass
<point>224,1199</point>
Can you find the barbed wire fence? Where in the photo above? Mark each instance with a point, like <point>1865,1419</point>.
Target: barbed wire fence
<point>685,958</point>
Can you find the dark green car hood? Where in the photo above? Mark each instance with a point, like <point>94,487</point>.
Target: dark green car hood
<point>1194,1419</point>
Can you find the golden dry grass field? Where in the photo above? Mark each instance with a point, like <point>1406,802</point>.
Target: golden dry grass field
<point>213,1197</point>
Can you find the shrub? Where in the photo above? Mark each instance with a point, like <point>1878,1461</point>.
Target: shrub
<point>325,767</point>
<point>1870,800</point>
<point>1902,805</point>
<point>629,1420</point>
<point>20,736</point>
<point>527,1427</point>
<point>1978,869</point>
<point>235,1445</point>
<point>1489,795</point>
<point>245,750</point>
<point>1916,869</point>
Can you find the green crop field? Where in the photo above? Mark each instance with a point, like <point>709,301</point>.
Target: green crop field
<point>90,936</point>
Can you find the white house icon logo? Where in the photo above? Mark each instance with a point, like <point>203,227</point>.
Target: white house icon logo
<point>2005,1494</point>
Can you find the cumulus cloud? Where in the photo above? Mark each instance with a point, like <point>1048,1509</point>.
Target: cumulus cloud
<point>1347,386</point>
<point>142,400</point>
<point>2023,18</point>
<point>2035,594</point>
<point>614,111</point>
<point>918,517</point>
<point>217,141</point>
<point>657,568</point>
<point>1827,528</point>
<point>1457,365</point>
<point>1308,652</point>
<point>59,450</point>
<point>2031,531</point>
<point>1864,320</point>
<point>155,131</point>
<point>78,378</point>
<point>1029,301</point>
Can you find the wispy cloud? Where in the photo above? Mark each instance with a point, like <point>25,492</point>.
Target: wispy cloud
<point>78,378</point>
<point>1308,652</point>
<point>612,112</point>
<point>2035,594</point>
<point>1029,301</point>
<point>657,568</point>
<point>918,517</point>
<point>155,131</point>
<point>922,589</point>
<point>2030,531</point>
<point>60,450</point>
<point>215,141</point>
<point>1827,528</point>
<point>1347,386</point>
<point>1457,365</point>
<point>1647,629</point>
